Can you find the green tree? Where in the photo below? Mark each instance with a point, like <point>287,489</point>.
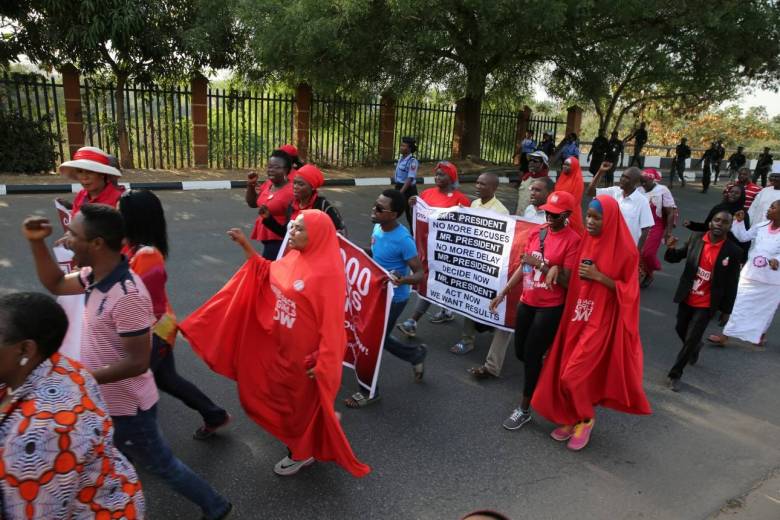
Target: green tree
<point>138,40</point>
<point>622,56</point>
<point>469,47</point>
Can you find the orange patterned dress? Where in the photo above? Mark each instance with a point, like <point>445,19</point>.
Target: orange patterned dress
<point>57,457</point>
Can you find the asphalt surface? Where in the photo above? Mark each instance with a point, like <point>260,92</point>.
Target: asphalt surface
<point>438,449</point>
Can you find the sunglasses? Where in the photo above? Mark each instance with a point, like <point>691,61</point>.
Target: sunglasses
<point>554,216</point>
<point>380,209</point>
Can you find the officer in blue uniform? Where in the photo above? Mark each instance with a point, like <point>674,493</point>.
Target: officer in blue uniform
<point>405,177</point>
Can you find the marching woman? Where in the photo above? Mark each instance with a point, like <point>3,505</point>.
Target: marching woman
<point>596,358</point>
<point>550,257</point>
<point>758,292</point>
<point>663,208</point>
<point>277,329</point>
<point>272,198</point>
<point>570,180</point>
<point>92,168</point>
<point>146,251</point>
<point>308,179</point>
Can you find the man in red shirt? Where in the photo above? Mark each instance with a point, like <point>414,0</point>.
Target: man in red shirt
<point>751,189</point>
<point>708,284</point>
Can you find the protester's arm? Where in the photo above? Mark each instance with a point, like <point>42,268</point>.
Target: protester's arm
<point>591,272</point>
<point>513,280</point>
<point>36,229</point>
<point>418,273</point>
<point>251,190</point>
<point>739,231</point>
<point>642,238</point>
<point>668,215</point>
<point>237,236</point>
<point>273,225</point>
<point>137,351</point>
<point>673,254</point>
<point>604,168</point>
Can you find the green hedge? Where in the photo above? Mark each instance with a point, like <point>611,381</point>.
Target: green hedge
<point>25,146</point>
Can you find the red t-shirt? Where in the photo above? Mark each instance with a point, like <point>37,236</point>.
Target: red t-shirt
<point>109,196</point>
<point>561,248</point>
<point>699,296</point>
<point>277,203</point>
<point>434,197</point>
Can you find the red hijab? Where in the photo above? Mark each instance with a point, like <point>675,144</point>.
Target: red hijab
<point>268,325</point>
<point>573,183</point>
<point>596,358</point>
<point>314,178</point>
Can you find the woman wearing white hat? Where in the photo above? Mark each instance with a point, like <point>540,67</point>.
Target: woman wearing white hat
<point>92,168</point>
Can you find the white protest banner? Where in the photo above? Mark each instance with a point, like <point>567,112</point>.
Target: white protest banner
<point>468,255</point>
<point>73,305</point>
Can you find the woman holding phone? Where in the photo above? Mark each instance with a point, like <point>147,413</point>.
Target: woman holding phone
<point>596,358</point>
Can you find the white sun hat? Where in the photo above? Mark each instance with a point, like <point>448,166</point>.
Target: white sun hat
<point>91,159</point>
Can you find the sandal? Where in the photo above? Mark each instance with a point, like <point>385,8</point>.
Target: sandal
<point>717,339</point>
<point>358,400</point>
<point>419,372</point>
<point>481,372</point>
<point>461,348</point>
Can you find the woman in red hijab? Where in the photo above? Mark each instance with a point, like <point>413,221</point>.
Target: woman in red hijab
<point>277,328</point>
<point>596,358</point>
<point>570,180</point>
<point>305,184</point>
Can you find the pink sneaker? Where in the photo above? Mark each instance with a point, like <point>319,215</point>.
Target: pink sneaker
<point>581,435</point>
<point>562,433</point>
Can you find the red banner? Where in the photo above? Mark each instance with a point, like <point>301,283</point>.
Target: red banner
<point>369,295</point>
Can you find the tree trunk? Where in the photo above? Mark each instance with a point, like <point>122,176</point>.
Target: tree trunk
<point>126,158</point>
<point>472,107</point>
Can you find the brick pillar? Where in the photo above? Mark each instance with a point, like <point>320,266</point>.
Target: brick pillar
<point>523,119</point>
<point>302,119</point>
<point>458,129</point>
<point>386,128</point>
<point>200,128</point>
<point>573,120</point>
<point>72,89</point>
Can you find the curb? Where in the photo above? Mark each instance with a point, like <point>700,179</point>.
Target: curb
<point>33,189</point>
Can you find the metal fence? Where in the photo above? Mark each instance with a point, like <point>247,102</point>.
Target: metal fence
<point>37,99</point>
<point>540,125</point>
<point>497,137</point>
<point>344,132</point>
<point>246,126</point>
<point>430,124</point>
<point>157,122</point>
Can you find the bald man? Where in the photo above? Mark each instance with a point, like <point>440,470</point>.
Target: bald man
<point>487,185</point>
<point>633,205</point>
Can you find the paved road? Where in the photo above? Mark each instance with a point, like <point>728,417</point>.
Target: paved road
<point>438,449</point>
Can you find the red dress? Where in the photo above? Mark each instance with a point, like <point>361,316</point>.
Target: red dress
<point>574,184</point>
<point>596,358</point>
<point>277,203</point>
<point>271,322</point>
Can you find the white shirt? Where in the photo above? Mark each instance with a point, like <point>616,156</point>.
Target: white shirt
<point>534,214</point>
<point>761,203</point>
<point>765,247</point>
<point>635,209</point>
<point>660,197</point>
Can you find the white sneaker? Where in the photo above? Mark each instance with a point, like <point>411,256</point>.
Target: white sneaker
<point>287,467</point>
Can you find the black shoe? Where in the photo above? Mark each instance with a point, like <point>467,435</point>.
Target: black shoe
<point>695,357</point>
<point>674,384</point>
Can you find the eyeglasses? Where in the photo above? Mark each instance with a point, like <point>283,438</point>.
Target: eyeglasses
<point>380,209</point>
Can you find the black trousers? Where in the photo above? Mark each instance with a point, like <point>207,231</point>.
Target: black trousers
<point>535,329</point>
<point>678,168</point>
<point>412,191</point>
<point>706,176</point>
<point>761,173</point>
<point>691,324</point>
<point>636,159</point>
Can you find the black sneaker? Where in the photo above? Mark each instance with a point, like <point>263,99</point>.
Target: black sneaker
<point>674,384</point>
<point>207,432</point>
<point>518,418</point>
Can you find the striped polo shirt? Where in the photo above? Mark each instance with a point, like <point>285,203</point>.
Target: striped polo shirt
<point>117,306</point>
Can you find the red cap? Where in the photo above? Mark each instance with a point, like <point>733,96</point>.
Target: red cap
<point>449,169</point>
<point>559,202</point>
<point>289,150</point>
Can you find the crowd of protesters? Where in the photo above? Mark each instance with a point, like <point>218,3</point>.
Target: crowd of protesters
<point>576,329</point>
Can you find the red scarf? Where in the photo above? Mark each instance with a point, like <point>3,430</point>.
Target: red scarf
<point>596,358</point>
<point>574,184</point>
<point>271,322</point>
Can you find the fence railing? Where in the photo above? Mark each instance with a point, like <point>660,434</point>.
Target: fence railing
<point>239,129</point>
<point>157,122</point>
<point>37,99</point>
<point>244,127</point>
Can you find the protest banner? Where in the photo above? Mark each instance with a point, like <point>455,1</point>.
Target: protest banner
<point>468,255</point>
<point>73,305</point>
<point>369,295</point>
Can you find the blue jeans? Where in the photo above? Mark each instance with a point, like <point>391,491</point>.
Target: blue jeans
<point>140,439</point>
<point>414,354</point>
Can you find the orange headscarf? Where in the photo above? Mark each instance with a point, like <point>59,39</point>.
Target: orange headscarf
<point>268,325</point>
<point>573,183</point>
